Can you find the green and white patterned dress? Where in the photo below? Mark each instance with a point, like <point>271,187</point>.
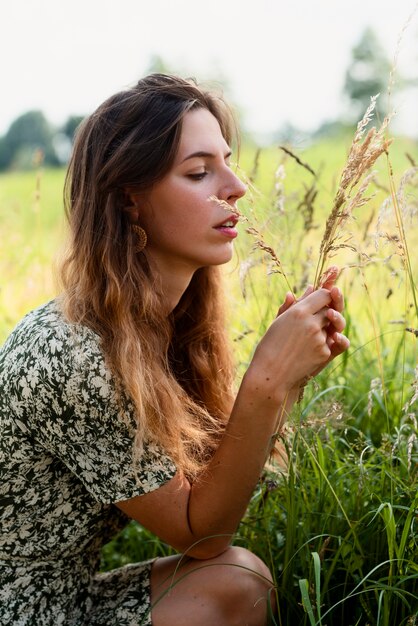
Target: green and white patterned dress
<point>65,458</point>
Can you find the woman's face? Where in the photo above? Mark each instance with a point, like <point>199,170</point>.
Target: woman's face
<point>185,229</point>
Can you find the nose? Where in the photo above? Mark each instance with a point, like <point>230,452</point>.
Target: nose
<point>234,188</point>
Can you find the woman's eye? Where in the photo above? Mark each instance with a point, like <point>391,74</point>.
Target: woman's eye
<point>197,176</point>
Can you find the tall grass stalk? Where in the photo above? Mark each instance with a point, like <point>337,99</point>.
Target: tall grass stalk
<point>405,255</point>
<point>354,181</point>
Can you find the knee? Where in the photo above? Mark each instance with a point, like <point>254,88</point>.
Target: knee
<point>246,588</point>
<point>246,565</point>
<point>232,589</point>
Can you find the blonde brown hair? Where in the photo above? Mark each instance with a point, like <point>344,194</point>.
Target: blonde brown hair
<point>177,370</point>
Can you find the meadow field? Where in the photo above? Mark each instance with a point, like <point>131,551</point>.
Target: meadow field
<point>339,527</point>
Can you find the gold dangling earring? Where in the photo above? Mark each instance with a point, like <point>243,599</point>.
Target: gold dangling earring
<point>141,237</point>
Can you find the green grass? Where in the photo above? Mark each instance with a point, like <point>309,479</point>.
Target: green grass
<point>339,530</point>
<point>31,232</point>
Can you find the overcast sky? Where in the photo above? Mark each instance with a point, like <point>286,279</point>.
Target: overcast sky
<point>284,59</point>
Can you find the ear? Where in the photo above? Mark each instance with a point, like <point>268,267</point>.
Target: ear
<point>132,205</point>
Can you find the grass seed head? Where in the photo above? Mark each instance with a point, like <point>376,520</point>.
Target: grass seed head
<point>362,155</point>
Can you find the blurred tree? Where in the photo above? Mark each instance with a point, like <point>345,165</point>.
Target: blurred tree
<point>367,75</point>
<point>28,134</point>
<point>73,122</point>
<point>4,154</point>
<point>63,140</point>
<point>333,128</point>
<point>158,65</point>
<point>289,134</point>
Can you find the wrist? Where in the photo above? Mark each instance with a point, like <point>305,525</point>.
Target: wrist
<point>263,388</point>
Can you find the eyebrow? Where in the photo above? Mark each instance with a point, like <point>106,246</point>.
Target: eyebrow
<point>202,153</point>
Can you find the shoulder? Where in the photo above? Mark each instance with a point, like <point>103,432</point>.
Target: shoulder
<point>46,329</point>
<point>51,365</point>
<point>45,347</point>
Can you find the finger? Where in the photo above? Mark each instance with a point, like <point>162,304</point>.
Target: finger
<point>329,277</point>
<point>314,302</point>
<point>337,345</point>
<point>309,289</point>
<point>337,299</point>
<point>341,344</point>
<point>337,320</point>
<point>288,301</point>
<point>323,319</point>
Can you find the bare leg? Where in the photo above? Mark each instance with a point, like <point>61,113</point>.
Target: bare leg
<point>219,591</point>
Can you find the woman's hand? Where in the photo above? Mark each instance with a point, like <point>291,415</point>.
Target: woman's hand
<point>337,342</point>
<point>307,336</point>
<point>295,345</point>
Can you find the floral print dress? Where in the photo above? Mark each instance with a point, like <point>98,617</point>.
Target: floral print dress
<point>65,459</point>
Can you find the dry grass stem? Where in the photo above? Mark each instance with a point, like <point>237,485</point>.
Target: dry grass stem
<point>298,160</point>
<point>244,269</point>
<point>414,331</point>
<point>259,243</point>
<point>410,159</point>
<point>362,155</point>
<point>407,202</point>
<point>403,244</point>
<point>279,177</point>
<point>397,52</point>
<point>254,171</point>
<point>306,207</point>
<point>375,387</point>
<point>414,396</point>
<point>227,207</point>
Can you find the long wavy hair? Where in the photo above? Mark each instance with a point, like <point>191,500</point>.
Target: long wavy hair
<point>177,370</point>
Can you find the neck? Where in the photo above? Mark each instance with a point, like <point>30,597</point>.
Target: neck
<point>173,280</point>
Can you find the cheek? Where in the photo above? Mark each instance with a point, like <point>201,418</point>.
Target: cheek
<point>165,224</point>
<point>184,210</point>
<point>178,208</point>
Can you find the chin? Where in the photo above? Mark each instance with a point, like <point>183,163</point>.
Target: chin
<point>220,260</point>
<point>218,257</point>
<point>224,256</point>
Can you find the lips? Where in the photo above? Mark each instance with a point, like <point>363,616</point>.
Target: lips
<point>227,227</point>
<point>229,222</point>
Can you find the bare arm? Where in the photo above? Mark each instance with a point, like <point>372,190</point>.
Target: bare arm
<point>205,515</point>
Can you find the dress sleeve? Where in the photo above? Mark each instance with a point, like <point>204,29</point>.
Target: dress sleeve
<point>63,395</point>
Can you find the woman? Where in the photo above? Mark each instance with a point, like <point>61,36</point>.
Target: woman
<point>117,396</point>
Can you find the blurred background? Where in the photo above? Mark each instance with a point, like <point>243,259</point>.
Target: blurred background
<point>294,70</point>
